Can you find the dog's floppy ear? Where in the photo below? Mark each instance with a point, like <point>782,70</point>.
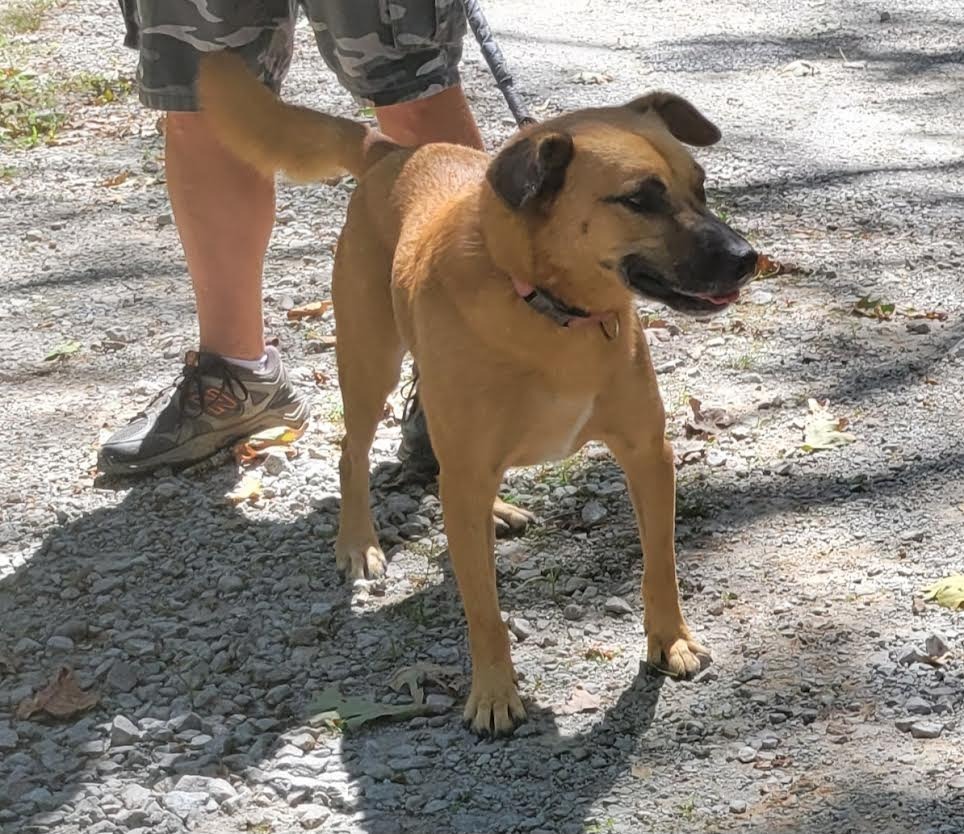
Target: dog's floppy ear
<point>532,170</point>
<point>682,119</point>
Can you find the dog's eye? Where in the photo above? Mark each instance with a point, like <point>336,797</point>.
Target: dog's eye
<point>649,196</point>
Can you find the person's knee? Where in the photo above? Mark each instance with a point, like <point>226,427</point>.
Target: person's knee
<point>182,129</point>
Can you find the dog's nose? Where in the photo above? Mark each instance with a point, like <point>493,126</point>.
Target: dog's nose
<point>744,258</point>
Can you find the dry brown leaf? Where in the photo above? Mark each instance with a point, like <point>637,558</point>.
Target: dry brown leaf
<point>320,377</point>
<point>931,315</point>
<point>309,311</point>
<point>110,182</point>
<point>581,701</point>
<point>256,446</point>
<point>320,342</point>
<point>248,490</point>
<point>706,422</point>
<point>61,698</point>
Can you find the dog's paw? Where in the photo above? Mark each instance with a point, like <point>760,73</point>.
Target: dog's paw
<point>494,707</point>
<point>360,562</point>
<point>510,520</point>
<point>676,652</point>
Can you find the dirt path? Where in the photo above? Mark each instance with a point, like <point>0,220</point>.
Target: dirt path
<point>207,629</point>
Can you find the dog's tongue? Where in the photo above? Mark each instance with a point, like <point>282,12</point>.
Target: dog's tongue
<point>729,298</point>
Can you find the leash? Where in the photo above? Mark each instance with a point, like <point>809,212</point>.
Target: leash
<point>496,61</point>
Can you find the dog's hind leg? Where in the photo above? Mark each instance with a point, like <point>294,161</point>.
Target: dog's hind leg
<point>369,352</point>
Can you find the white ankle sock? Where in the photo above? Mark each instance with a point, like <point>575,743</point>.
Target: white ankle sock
<point>249,364</point>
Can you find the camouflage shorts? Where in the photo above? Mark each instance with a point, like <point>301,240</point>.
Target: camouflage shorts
<point>382,51</point>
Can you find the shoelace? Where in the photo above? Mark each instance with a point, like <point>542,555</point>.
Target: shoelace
<point>192,378</point>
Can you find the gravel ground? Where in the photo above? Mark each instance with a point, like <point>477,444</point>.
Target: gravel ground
<point>206,629</point>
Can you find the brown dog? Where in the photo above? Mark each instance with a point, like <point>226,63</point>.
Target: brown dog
<point>511,281</point>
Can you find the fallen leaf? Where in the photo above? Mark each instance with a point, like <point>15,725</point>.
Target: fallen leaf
<point>116,180</point>
<point>947,592</point>
<point>580,701</point>
<point>931,315</point>
<point>824,431</point>
<point>414,677</point>
<point>319,342</point>
<point>706,422</point>
<point>61,698</point>
<point>766,267</point>
<point>351,713</point>
<point>248,490</point>
<point>309,311</point>
<point>874,308</point>
<point>638,771</point>
<point>798,68</point>
<point>63,350</point>
<point>601,653</point>
<point>586,77</point>
<point>256,447</point>
<point>320,377</point>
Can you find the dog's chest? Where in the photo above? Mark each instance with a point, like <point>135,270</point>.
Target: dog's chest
<point>554,432</point>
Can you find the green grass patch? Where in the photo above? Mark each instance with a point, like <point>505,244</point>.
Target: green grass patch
<point>24,16</point>
<point>29,115</point>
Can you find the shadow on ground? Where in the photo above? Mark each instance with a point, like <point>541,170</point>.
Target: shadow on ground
<point>145,578</point>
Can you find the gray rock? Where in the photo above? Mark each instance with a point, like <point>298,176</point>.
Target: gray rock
<point>926,729</point>
<point>746,755</point>
<point>8,737</point>
<point>123,676</point>
<point>230,583</point>
<point>435,805</point>
<point>275,462</point>
<point>60,643</point>
<point>135,797</point>
<point>218,789</point>
<point>26,646</point>
<point>593,512</point>
<point>918,706</point>
<point>74,629</point>
<point>936,646</point>
<point>573,611</point>
<point>617,606</point>
<point>167,489</point>
<point>184,804</point>
<point>311,816</point>
<point>918,327</point>
<point>123,732</point>
<point>737,806</point>
<point>520,627</point>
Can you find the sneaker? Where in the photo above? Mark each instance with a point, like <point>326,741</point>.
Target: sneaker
<point>212,404</point>
<point>415,450</point>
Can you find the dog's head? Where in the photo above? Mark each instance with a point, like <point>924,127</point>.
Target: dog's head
<point>612,197</point>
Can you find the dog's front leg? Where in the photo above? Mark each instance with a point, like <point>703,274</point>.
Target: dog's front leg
<point>494,706</point>
<point>651,475</point>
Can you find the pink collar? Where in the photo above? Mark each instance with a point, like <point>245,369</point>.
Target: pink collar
<point>561,313</point>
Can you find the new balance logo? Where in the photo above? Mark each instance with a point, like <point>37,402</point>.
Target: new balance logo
<point>217,402</point>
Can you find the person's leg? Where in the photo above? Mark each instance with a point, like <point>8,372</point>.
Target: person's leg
<point>224,212</point>
<point>405,65</point>
<point>443,117</point>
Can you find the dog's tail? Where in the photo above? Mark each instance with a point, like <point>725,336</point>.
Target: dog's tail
<point>271,135</point>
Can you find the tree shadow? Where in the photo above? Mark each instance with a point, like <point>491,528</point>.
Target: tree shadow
<point>225,626</point>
